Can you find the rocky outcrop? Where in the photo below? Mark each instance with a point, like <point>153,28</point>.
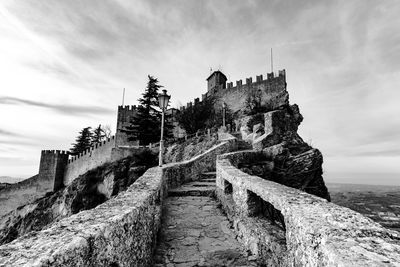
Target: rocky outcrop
<point>284,157</point>
<point>188,149</point>
<point>84,193</point>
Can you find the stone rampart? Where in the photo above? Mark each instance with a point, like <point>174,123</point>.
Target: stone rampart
<point>89,159</point>
<point>21,193</point>
<point>288,227</point>
<point>119,232</point>
<point>271,91</point>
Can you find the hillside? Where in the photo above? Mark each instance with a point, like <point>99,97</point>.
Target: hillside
<point>380,203</point>
<point>10,180</point>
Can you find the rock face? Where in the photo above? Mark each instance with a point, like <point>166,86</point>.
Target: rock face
<point>84,193</point>
<point>284,157</point>
<point>188,149</point>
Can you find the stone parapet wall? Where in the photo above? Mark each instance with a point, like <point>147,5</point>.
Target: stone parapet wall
<point>317,232</point>
<point>119,232</point>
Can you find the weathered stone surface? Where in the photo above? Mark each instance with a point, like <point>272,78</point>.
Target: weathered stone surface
<point>195,232</point>
<point>295,163</point>
<point>85,192</point>
<point>188,149</point>
<point>119,232</point>
<point>318,233</point>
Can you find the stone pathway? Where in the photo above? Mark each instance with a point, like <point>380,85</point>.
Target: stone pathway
<point>195,232</point>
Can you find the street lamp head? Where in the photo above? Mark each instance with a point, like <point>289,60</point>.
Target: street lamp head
<point>223,104</point>
<point>163,99</point>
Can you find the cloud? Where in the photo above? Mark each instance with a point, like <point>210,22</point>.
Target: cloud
<point>65,109</point>
<point>342,61</point>
<point>7,133</point>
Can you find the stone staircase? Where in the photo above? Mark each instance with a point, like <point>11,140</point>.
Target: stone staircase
<point>203,187</point>
<point>195,231</point>
<point>242,145</point>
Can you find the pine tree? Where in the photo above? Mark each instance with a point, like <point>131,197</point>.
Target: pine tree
<point>146,125</point>
<point>98,135</point>
<point>83,141</point>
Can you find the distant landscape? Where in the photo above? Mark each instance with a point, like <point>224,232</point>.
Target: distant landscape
<point>10,180</point>
<point>381,203</point>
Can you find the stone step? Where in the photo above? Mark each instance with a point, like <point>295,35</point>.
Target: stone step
<point>191,191</point>
<point>210,180</point>
<point>202,184</point>
<point>209,174</point>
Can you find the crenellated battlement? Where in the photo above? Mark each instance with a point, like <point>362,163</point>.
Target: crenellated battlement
<point>91,149</point>
<point>127,108</point>
<point>56,152</point>
<point>274,82</point>
<point>271,77</point>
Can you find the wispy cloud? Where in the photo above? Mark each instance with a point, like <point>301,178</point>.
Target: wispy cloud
<point>7,133</point>
<point>62,108</point>
<point>342,62</point>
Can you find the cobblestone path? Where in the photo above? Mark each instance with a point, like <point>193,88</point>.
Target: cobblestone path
<point>195,232</point>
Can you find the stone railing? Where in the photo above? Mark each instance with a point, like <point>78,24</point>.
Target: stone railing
<point>120,232</point>
<point>287,227</point>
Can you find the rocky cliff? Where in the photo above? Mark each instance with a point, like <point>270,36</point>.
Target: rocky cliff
<point>284,157</point>
<point>84,193</point>
<point>188,149</point>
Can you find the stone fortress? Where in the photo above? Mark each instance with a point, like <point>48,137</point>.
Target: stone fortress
<point>303,227</point>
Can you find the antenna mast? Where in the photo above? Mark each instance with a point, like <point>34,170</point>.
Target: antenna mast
<point>272,62</point>
<point>123,97</point>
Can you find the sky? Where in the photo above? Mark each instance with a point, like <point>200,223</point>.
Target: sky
<point>64,65</point>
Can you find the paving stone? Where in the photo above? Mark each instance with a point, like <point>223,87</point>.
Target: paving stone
<point>195,232</point>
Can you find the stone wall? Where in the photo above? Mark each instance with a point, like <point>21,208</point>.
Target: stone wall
<point>89,159</point>
<point>313,232</point>
<point>272,92</point>
<point>119,232</point>
<point>126,114</point>
<point>14,195</point>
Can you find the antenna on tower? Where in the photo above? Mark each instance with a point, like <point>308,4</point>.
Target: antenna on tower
<point>210,70</point>
<point>272,62</point>
<point>123,97</point>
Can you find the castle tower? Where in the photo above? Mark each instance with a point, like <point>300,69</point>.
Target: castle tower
<point>126,114</point>
<point>51,170</point>
<point>216,81</point>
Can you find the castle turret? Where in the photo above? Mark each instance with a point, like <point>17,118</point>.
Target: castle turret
<point>126,114</point>
<point>51,170</point>
<point>216,81</point>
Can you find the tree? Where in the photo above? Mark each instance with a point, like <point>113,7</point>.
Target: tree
<point>98,136</point>
<point>254,105</point>
<point>83,141</point>
<point>106,129</point>
<point>145,127</point>
<point>199,116</point>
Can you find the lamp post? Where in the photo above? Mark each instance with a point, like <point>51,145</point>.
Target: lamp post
<point>163,100</point>
<point>223,114</point>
